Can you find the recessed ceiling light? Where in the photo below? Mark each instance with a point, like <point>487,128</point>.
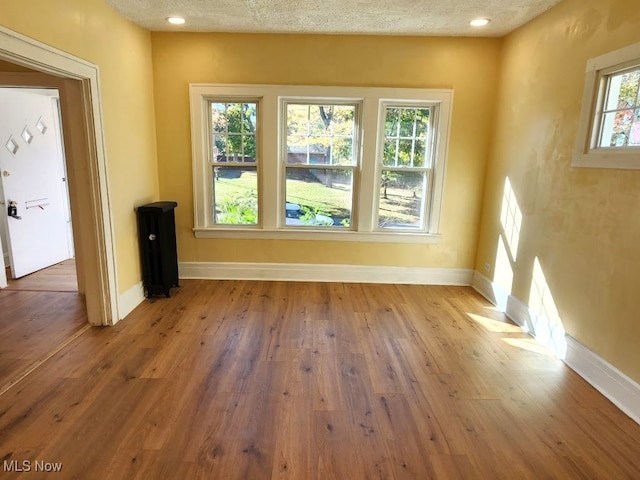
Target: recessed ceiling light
<point>175,20</point>
<point>479,22</point>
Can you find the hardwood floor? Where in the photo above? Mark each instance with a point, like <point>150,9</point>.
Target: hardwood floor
<point>276,380</point>
<point>57,278</point>
<point>39,314</point>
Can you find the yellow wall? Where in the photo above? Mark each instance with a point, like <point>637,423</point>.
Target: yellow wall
<point>469,66</point>
<point>583,225</point>
<point>91,30</point>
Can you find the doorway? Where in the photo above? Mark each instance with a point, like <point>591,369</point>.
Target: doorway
<point>40,66</point>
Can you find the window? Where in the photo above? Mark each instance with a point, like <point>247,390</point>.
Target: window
<point>234,161</point>
<point>331,163</point>
<point>406,159</point>
<point>620,118</point>
<point>320,164</point>
<point>609,132</point>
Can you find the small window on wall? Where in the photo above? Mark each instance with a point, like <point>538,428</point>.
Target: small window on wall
<point>234,163</point>
<point>609,131</point>
<point>620,117</point>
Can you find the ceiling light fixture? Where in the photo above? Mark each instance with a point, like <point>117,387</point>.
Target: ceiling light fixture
<point>175,20</point>
<point>479,22</point>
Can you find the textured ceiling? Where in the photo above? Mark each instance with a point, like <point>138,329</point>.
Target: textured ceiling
<point>383,17</point>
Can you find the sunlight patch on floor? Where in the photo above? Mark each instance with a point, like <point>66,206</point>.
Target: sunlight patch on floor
<point>494,325</point>
<point>530,344</point>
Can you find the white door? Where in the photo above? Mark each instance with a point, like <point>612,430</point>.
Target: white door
<point>32,175</point>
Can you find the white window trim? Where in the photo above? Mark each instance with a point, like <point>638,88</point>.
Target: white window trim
<point>587,153</point>
<point>270,185</point>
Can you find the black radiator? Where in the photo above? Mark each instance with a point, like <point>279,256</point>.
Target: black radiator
<point>157,231</point>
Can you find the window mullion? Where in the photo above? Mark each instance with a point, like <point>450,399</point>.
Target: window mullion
<point>267,141</point>
<point>200,113</point>
<point>371,139</point>
<point>308,139</point>
<point>413,137</point>
<point>331,151</point>
<point>397,139</point>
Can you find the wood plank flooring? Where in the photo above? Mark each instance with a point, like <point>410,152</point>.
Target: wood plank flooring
<point>39,313</point>
<point>60,277</point>
<point>281,380</point>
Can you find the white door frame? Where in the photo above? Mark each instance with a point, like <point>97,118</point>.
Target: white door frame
<point>3,272</point>
<point>95,242</point>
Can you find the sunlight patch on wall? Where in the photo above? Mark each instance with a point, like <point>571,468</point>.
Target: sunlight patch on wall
<point>507,246</point>
<point>511,219</point>
<point>503,277</point>
<point>545,318</point>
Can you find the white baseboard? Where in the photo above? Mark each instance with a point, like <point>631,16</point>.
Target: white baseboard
<point>491,291</point>
<point>518,311</point>
<point>604,377</point>
<point>607,379</point>
<point>325,273</point>
<point>130,300</point>
<point>484,287</point>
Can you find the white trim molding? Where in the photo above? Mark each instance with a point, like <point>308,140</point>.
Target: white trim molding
<point>3,271</point>
<point>130,299</point>
<point>607,379</point>
<point>490,291</point>
<point>324,273</point>
<point>604,377</point>
<point>319,235</point>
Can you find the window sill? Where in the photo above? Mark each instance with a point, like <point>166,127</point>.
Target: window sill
<point>624,159</point>
<point>315,235</point>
